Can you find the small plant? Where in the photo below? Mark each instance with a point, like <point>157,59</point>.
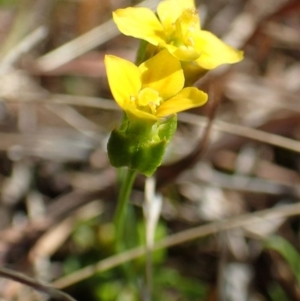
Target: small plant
<point>174,53</point>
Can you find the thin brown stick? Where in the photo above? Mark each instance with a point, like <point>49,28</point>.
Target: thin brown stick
<point>170,172</point>
<point>49,290</point>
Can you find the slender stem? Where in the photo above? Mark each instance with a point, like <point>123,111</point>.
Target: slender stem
<point>124,194</point>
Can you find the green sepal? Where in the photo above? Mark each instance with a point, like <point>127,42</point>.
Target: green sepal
<point>140,145</point>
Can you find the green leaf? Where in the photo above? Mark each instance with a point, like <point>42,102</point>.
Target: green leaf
<point>287,251</point>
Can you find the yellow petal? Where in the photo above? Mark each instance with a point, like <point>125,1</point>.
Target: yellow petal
<point>214,52</point>
<point>163,73</point>
<point>123,78</point>
<point>170,10</point>
<point>141,23</point>
<point>186,99</point>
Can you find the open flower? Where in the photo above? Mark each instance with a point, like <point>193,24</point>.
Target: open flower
<point>152,90</point>
<point>177,29</point>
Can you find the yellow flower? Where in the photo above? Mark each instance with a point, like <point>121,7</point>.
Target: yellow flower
<point>177,29</point>
<point>152,90</point>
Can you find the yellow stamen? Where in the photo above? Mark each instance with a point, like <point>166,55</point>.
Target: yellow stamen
<point>149,98</point>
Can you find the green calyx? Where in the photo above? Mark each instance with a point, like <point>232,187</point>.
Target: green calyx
<point>140,145</point>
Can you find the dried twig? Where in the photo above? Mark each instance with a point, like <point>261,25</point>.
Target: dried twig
<point>49,290</point>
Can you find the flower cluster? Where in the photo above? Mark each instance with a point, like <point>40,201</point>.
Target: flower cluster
<point>176,52</point>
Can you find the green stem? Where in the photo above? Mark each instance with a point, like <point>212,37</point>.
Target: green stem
<point>120,214</point>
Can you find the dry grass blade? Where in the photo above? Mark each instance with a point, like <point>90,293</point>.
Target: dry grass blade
<point>83,44</point>
<point>179,238</point>
<point>25,45</point>
<point>243,131</point>
<point>152,209</point>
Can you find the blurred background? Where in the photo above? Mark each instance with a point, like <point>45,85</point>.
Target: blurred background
<point>231,172</point>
